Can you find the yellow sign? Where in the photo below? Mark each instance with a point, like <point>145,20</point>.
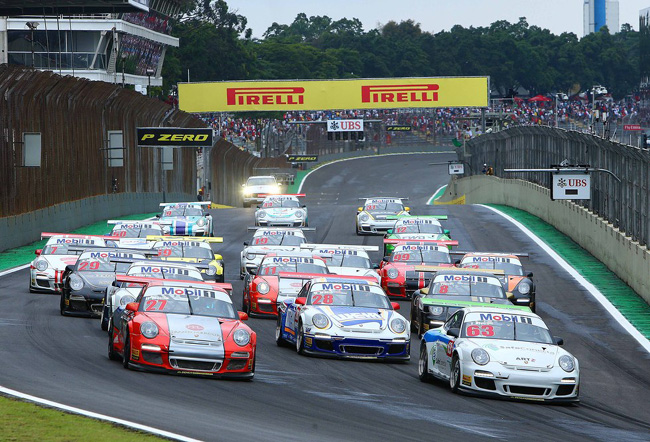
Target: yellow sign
<point>389,93</point>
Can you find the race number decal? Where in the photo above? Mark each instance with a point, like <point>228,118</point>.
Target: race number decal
<point>483,330</point>
<point>443,289</point>
<point>401,229</point>
<point>92,265</point>
<point>322,299</point>
<point>261,240</point>
<point>164,252</point>
<point>270,270</point>
<point>402,257</point>
<point>153,305</point>
<point>371,207</point>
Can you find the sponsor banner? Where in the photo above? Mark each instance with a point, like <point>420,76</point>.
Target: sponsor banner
<point>390,93</point>
<point>398,128</point>
<point>344,125</point>
<point>174,137</point>
<point>631,127</point>
<point>456,168</point>
<point>571,186</point>
<point>302,158</point>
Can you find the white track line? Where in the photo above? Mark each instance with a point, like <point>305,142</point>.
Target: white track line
<point>365,156</point>
<point>14,269</point>
<point>581,280</point>
<point>98,416</point>
<point>434,194</point>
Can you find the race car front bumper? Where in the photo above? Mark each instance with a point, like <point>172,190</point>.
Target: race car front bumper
<point>375,227</point>
<point>281,222</point>
<point>84,303</point>
<point>355,348</point>
<point>47,281</point>
<point>397,290</point>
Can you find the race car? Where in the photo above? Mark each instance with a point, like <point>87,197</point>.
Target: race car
<point>266,240</point>
<point>344,317</point>
<point>46,271</point>
<point>515,280</point>
<point>407,269</point>
<point>279,276</point>
<point>346,260</point>
<point>257,188</point>
<point>416,227</point>
<point>134,229</point>
<point>119,294</point>
<point>500,353</point>
<point>193,252</point>
<point>85,283</point>
<point>372,218</point>
<point>452,289</point>
<point>186,219</point>
<point>183,327</point>
<point>281,210</point>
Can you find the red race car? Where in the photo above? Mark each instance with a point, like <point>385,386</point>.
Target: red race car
<point>405,270</point>
<point>183,327</point>
<point>279,277</point>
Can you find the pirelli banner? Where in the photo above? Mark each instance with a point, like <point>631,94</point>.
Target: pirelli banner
<point>173,137</point>
<point>388,93</point>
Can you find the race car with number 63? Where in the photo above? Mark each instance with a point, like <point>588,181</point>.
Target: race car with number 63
<point>500,353</point>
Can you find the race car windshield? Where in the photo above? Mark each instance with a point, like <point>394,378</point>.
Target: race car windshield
<point>57,249</point>
<point>507,267</point>
<point>429,228</point>
<point>384,207</point>
<point>176,300</point>
<point>514,331</point>
<point>193,211</point>
<point>165,273</point>
<point>421,256</point>
<point>97,265</point>
<point>355,261</point>
<point>480,287</point>
<point>351,295</point>
<point>271,267</point>
<point>135,232</point>
<point>260,182</point>
<point>197,252</point>
<point>286,203</point>
<point>208,306</point>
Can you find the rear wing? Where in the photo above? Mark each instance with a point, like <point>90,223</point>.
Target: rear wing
<point>227,287</point>
<point>495,272</point>
<point>191,203</point>
<point>208,239</point>
<point>114,222</point>
<point>384,198</point>
<point>339,246</point>
<point>432,268</point>
<point>299,275</point>
<point>494,254</point>
<point>437,242</point>
<point>144,252</point>
<point>164,262</point>
<point>74,235</point>
<point>398,217</point>
<point>264,195</point>
<point>288,229</point>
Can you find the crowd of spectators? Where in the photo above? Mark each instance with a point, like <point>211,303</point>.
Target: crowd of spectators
<point>149,21</point>
<point>141,53</point>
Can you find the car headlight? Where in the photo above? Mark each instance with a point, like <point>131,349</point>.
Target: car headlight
<point>392,273</point>
<point>364,217</point>
<point>76,283</point>
<point>320,320</point>
<point>241,337</point>
<point>263,288</point>
<point>261,214</point>
<point>41,264</point>
<point>212,270</point>
<point>124,300</point>
<point>524,287</point>
<point>200,222</point>
<point>480,356</point>
<point>299,214</point>
<point>567,363</point>
<point>149,329</point>
<point>250,256</point>
<point>247,191</point>
<point>436,310</point>
<point>398,325</point>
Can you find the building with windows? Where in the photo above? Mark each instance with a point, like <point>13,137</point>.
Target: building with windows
<point>599,13</point>
<point>117,41</point>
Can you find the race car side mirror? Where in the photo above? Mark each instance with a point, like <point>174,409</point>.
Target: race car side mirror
<point>69,268</point>
<point>243,316</point>
<point>115,284</point>
<point>360,209</point>
<point>447,232</point>
<point>424,291</point>
<point>457,262</point>
<point>258,207</point>
<point>245,244</point>
<point>243,185</point>
<point>376,266</point>
<point>558,340</point>
<point>38,252</point>
<point>157,215</point>
<point>304,206</point>
<point>253,271</point>
<point>385,259</point>
<point>389,231</point>
<point>395,305</point>
<point>453,332</point>
<point>407,209</point>
<point>529,274</point>
<point>132,307</point>
<point>300,301</point>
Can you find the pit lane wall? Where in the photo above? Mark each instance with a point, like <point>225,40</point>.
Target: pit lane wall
<point>626,258</point>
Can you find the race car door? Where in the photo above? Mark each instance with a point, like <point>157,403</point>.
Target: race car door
<point>445,345</point>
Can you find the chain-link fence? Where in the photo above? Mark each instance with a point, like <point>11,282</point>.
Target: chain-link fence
<point>626,204</point>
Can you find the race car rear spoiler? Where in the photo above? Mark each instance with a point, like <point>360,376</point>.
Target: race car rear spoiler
<point>420,242</point>
<point>289,229</point>
<point>209,239</point>
<point>132,221</point>
<point>190,203</point>
<point>225,286</point>
<point>459,270</point>
<point>145,252</point>
<point>398,217</point>
<point>297,275</point>
<point>264,195</point>
<point>339,246</point>
<point>495,254</point>
<point>383,198</point>
<point>74,235</point>
<point>154,261</point>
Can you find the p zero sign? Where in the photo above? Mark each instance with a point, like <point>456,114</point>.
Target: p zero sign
<point>571,186</point>
<point>174,137</point>
<point>387,93</point>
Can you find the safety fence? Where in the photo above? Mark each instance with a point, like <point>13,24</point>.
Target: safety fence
<point>626,205</point>
<point>73,117</point>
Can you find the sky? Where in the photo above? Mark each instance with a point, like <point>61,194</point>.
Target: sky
<point>433,15</point>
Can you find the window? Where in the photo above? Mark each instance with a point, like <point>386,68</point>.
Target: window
<point>32,149</point>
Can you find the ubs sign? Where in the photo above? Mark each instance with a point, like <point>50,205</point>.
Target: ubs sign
<point>571,186</point>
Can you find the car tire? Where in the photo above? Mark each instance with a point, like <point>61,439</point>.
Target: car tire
<point>62,305</point>
<point>31,289</point>
<point>454,375</point>
<point>420,327</point>
<point>423,364</point>
<point>300,339</point>
<point>126,357</point>
<point>104,320</point>
<point>112,354</point>
<point>245,306</point>
<point>279,340</point>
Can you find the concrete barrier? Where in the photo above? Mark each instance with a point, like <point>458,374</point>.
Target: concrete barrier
<point>26,228</point>
<point>626,258</point>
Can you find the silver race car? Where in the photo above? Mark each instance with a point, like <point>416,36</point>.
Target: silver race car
<point>346,260</point>
<point>266,240</point>
<point>377,215</point>
<point>281,210</point>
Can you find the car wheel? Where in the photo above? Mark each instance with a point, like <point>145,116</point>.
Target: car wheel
<point>279,340</point>
<point>245,305</point>
<point>300,340</point>
<point>126,357</point>
<point>31,289</point>
<point>420,327</point>
<point>413,317</point>
<point>62,306</point>
<point>423,364</point>
<point>112,354</point>
<point>454,376</point>
<point>105,316</point>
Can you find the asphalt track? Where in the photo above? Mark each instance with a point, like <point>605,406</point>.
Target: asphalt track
<point>302,398</point>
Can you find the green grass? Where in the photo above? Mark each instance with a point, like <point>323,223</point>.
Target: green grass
<point>24,421</point>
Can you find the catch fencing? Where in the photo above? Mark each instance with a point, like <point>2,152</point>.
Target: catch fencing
<point>626,205</point>
<point>73,116</point>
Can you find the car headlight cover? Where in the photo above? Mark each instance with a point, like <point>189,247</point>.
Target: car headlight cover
<point>247,190</point>
<point>320,320</point>
<point>364,217</point>
<point>200,222</point>
<point>124,300</point>
<point>567,363</point>
<point>392,273</point>
<point>480,356</point>
<point>436,310</point>
<point>149,329</point>
<point>76,283</point>
<point>299,213</point>
<point>524,287</point>
<point>261,214</point>
<point>41,264</point>
<point>250,256</point>
<point>398,325</point>
<point>212,270</point>
<point>241,337</point>
<point>263,288</point>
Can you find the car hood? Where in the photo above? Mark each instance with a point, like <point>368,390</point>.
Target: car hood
<point>381,214</point>
<point>282,211</point>
<point>519,353</point>
<point>59,262</point>
<point>97,280</point>
<point>465,300</point>
<point>194,327</point>
<point>268,249</point>
<point>357,318</point>
<point>355,271</point>
<point>266,188</point>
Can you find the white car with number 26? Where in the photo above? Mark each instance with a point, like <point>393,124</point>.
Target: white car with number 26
<point>495,352</point>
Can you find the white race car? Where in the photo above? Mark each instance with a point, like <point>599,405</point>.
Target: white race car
<point>266,240</point>
<point>502,353</point>
<point>346,260</point>
<point>259,185</point>
<point>186,219</point>
<point>134,229</point>
<point>281,210</point>
<point>46,271</point>
<point>377,215</point>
